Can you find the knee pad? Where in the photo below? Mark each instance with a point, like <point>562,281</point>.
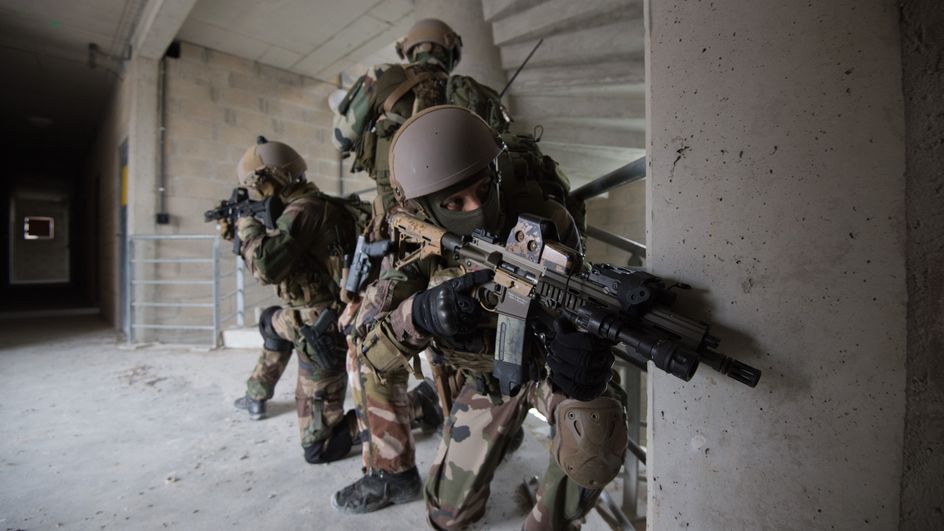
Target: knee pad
<point>270,339</point>
<point>590,440</point>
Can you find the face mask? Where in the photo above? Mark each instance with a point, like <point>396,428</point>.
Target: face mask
<point>463,223</point>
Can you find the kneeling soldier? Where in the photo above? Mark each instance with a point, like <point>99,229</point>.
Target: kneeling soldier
<point>443,171</point>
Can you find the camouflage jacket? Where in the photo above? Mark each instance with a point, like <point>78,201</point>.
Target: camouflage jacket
<point>303,255</point>
<point>384,325</point>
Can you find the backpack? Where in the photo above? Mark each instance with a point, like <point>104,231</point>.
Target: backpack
<point>527,171</point>
<point>480,99</point>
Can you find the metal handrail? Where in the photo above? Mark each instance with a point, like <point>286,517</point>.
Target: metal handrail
<point>634,171</point>
<point>616,240</point>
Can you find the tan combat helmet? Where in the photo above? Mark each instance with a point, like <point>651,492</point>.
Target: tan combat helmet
<point>427,32</point>
<point>438,148</point>
<point>270,161</point>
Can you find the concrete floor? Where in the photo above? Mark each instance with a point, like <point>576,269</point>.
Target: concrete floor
<point>98,437</point>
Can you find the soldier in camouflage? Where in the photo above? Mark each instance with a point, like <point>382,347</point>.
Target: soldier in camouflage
<point>383,98</point>
<point>302,257</point>
<point>443,171</point>
<point>367,119</point>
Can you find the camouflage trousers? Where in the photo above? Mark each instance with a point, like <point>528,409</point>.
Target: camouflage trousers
<point>386,415</point>
<point>475,439</point>
<point>319,394</point>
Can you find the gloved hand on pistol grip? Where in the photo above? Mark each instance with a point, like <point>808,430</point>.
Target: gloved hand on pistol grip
<point>580,363</point>
<point>449,309</point>
<point>227,231</point>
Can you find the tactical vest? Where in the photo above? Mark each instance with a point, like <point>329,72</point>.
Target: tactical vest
<point>400,92</point>
<point>316,278</point>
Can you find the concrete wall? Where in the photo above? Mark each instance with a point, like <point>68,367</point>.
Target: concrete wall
<point>216,106</point>
<point>922,41</point>
<point>101,171</point>
<point>777,188</point>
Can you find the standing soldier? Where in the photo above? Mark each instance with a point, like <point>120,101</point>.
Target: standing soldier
<point>368,117</point>
<point>443,171</point>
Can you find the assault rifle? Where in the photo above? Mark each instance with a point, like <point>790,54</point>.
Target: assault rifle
<point>537,277</point>
<point>239,205</point>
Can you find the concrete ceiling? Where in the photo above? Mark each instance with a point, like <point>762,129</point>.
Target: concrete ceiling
<point>50,98</point>
<point>51,101</point>
<point>317,38</point>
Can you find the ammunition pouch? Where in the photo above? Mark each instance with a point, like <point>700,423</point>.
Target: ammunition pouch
<point>271,340</point>
<point>590,440</point>
<point>380,354</point>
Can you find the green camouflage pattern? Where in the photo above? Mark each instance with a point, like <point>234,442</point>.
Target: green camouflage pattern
<point>302,256</point>
<point>319,394</point>
<point>268,370</point>
<point>363,127</point>
<point>390,446</point>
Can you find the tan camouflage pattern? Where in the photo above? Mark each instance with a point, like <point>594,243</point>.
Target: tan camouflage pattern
<point>386,414</point>
<point>475,439</point>
<point>479,427</point>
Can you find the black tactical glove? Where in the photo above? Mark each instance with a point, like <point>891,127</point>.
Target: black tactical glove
<point>448,310</point>
<point>580,363</point>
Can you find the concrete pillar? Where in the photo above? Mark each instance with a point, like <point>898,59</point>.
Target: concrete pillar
<point>142,74</point>
<point>922,40</point>
<point>776,188</point>
<point>480,58</point>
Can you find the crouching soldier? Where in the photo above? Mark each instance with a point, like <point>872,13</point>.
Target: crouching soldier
<point>443,171</point>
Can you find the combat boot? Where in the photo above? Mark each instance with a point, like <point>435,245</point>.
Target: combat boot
<point>377,490</point>
<point>256,408</point>
<point>432,413</point>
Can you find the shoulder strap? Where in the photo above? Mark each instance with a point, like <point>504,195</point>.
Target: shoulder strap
<point>412,79</point>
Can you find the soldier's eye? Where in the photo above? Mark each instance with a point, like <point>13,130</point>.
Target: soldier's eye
<point>452,204</point>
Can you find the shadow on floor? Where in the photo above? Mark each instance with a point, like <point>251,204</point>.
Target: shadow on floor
<point>17,332</point>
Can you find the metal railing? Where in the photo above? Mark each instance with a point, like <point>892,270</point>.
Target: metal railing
<point>140,297</point>
<point>630,173</point>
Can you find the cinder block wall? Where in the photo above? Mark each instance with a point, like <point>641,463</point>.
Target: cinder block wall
<point>216,106</point>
